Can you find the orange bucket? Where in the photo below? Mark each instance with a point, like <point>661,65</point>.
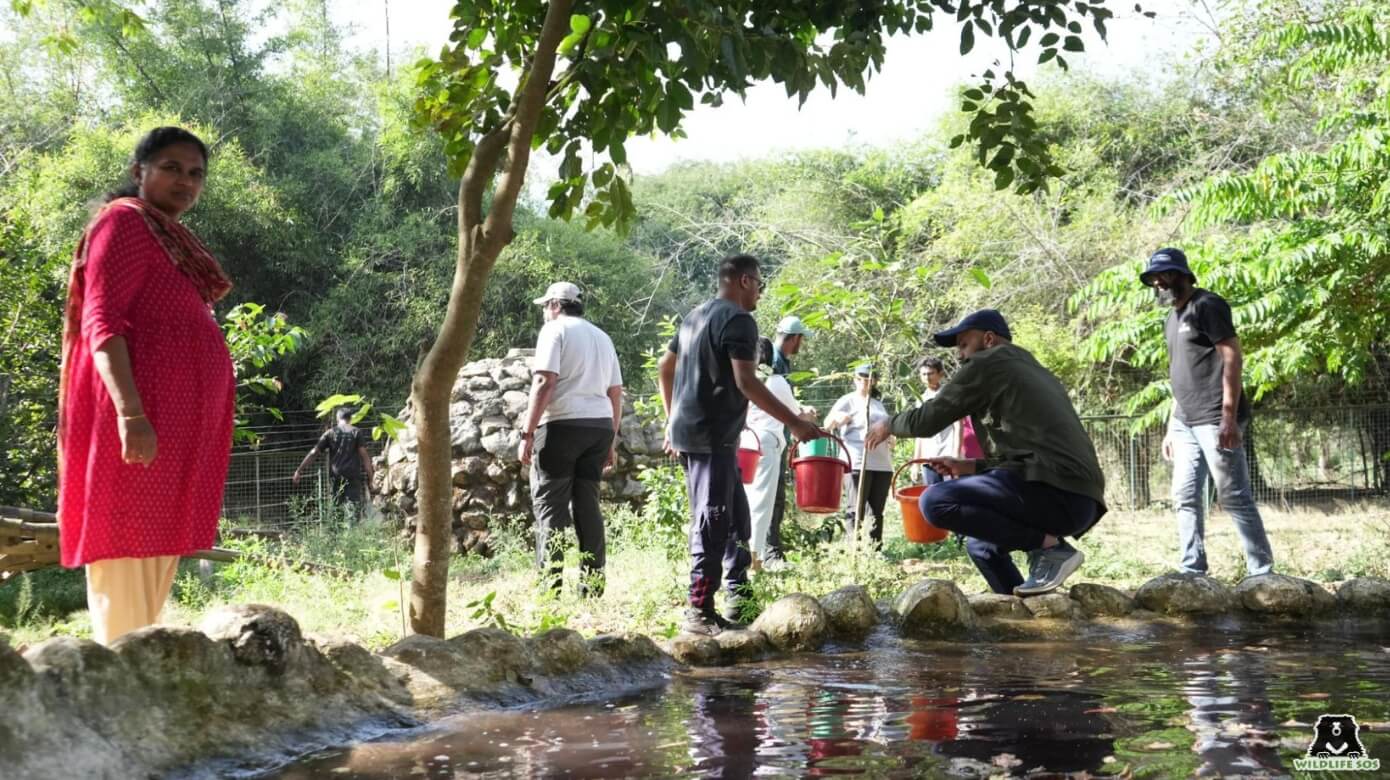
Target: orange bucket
<point>915,526</point>
<point>748,459</point>
<point>819,481</point>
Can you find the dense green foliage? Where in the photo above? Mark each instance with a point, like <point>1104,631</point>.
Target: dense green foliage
<point>338,215</point>
<point>1296,238</point>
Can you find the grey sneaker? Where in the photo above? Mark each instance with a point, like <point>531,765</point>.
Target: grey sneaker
<point>697,621</point>
<point>731,619</point>
<point>1048,569</point>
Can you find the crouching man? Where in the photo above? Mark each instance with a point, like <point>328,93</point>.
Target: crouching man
<point>1041,480</point>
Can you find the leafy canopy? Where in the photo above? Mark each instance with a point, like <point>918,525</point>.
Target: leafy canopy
<point>1296,243</point>
<point>633,68</point>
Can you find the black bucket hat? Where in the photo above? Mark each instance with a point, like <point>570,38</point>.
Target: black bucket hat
<point>1167,259</point>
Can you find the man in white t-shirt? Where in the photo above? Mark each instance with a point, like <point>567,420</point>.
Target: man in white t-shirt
<point>945,443</point>
<point>570,435</point>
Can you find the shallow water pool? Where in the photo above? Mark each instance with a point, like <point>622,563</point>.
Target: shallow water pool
<point>1154,701</point>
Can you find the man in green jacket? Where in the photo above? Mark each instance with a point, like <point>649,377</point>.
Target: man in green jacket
<point>1041,480</point>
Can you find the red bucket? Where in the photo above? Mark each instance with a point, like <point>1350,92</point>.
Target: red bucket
<point>748,459</point>
<point>819,481</point>
<point>915,526</point>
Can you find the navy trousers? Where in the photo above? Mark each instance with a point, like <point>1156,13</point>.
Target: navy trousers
<point>999,511</point>
<point>721,528</point>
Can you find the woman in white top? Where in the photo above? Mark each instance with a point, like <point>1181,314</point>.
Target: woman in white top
<point>847,416</point>
<point>946,442</point>
<point>771,435</point>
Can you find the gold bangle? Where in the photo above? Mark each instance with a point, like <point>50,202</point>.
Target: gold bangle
<point>132,417</point>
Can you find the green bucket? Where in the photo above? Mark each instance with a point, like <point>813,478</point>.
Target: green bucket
<point>824,447</point>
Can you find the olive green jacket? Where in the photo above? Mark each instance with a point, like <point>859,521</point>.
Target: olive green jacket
<point>1022,415</point>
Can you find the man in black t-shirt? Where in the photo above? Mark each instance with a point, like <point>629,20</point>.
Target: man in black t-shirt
<point>707,377</point>
<point>349,463</point>
<point>1210,411</point>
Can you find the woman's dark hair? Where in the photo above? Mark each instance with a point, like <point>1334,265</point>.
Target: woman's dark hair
<point>764,351</point>
<point>931,362</point>
<point>153,143</point>
<point>571,308</point>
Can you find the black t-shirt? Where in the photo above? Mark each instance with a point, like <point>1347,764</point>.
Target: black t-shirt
<point>707,408</point>
<point>341,445</point>
<point>1194,365</point>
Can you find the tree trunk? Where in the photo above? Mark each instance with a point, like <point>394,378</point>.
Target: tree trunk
<point>481,240</point>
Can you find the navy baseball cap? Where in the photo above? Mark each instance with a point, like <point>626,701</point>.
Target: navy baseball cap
<point>984,319</point>
<point>1167,259</point>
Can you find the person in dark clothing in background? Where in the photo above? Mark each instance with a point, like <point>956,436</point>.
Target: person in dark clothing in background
<point>1209,413</point>
<point>349,463</point>
<point>707,377</point>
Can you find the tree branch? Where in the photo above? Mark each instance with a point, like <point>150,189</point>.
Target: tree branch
<point>531,94</point>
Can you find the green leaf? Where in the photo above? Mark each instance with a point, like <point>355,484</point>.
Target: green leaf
<point>981,278</point>
<point>1003,178</point>
<point>361,414</point>
<point>1073,43</point>
<point>1049,40</point>
<point>328,405</point>
<point>967,38</point>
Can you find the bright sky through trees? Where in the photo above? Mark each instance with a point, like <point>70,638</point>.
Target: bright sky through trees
<point>901,102</point>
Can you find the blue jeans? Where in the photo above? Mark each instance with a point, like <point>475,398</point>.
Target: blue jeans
<point>1195,455</point>
<point>999,511</point>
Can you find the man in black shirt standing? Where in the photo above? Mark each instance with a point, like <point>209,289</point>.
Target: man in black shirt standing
<point>349,463</point>
<point>1209,413</point>
<point>707,377</point>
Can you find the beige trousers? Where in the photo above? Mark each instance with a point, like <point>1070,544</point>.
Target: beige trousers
<point>124,594</point>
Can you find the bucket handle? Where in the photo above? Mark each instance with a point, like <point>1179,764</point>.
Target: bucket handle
<point>756,440</point>
<point>844,452</point>
<point>894,480</point>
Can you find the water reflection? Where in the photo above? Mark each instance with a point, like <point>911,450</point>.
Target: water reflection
<point>1230,713</point>
<point>1166,703</point>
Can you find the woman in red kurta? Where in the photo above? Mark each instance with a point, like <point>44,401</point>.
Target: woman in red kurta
<point>147,391</point>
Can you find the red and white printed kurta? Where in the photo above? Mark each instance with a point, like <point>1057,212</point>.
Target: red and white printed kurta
<point>110,509</point>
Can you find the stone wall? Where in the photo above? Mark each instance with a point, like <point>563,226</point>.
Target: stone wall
<point>487,410</point>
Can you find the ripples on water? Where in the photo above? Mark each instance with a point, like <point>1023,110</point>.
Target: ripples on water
<point>1159,703</point>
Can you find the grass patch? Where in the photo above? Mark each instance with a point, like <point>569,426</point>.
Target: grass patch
<point>360,597</point>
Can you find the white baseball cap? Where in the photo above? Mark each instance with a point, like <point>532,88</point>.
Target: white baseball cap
<point>560,291</point>
<point>792,325</point>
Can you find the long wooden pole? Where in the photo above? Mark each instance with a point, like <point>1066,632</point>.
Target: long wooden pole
<point>44,526</point>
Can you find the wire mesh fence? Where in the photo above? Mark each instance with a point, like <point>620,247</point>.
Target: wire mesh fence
<point>1299,457</point>
<point>261,490</point>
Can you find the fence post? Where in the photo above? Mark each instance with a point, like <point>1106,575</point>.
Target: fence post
<point>257,458</point>
<point>1132,471</point>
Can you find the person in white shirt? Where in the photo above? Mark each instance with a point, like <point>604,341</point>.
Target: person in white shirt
<point>848,416</point>
<point>765,432</point>
<point>571,433</point>
<point>946,442</point>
